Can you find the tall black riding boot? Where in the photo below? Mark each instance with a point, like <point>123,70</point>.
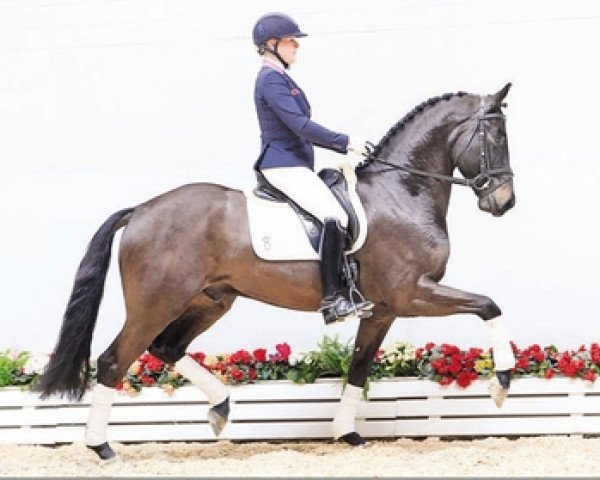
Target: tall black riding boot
<point>334,305</point>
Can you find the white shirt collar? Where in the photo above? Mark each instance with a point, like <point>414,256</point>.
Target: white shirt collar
<point>275,65</point>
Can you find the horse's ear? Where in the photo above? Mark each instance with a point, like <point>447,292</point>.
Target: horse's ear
<point>499,96</point>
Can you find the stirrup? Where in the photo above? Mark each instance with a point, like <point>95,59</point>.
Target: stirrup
<point>336,308</point>
<point>332,313</point>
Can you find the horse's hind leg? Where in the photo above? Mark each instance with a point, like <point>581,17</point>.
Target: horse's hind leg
<point>140,328</point>
<point>170,346</point>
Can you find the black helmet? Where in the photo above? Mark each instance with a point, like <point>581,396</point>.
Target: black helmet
<point>275,25</point>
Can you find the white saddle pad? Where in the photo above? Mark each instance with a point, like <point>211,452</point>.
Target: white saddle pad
<point>278,234</point>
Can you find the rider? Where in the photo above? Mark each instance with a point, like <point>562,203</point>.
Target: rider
<point>287,157</point>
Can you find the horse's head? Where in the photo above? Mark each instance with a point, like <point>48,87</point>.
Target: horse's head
<point>480,151</point>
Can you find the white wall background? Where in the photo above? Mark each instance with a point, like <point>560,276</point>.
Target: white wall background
<point>106,103</point>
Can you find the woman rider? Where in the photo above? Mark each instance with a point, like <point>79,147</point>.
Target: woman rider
<point>287,157</point>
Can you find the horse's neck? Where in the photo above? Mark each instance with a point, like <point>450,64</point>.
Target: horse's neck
<point>421,149</point>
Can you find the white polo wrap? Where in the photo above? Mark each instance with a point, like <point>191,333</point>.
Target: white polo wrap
<point>343,422</point>
<point>210,385</point>
<point>95,430</point>
<point>504,358</point>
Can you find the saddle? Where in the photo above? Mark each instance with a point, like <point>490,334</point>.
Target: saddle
<point>336,182</point>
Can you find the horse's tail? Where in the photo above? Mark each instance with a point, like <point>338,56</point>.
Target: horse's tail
<point>68,371</point>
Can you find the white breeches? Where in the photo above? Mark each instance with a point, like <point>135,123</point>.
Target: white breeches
<point>305,188</point>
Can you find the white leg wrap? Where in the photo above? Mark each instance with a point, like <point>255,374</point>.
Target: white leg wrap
<point>504,359</point>
<point>343,422</point>
<point>210,385</point>
<point>95,430</point>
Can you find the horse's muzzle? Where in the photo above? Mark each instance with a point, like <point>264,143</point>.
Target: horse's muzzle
<point>499,200</point>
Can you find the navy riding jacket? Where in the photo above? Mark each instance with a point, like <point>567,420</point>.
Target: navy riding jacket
<point>287,132</point>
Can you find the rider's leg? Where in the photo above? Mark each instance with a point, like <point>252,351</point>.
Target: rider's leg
<point>305,188</point>
<point>334,305</point>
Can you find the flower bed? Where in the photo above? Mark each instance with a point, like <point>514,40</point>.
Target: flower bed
<point>437,390</point>
<point>443,363</point>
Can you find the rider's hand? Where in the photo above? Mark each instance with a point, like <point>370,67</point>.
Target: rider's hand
<point>360,148</point>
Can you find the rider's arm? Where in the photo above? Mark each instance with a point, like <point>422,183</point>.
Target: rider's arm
<point>276,92</point>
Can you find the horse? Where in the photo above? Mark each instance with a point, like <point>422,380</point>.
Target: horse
<point>186,255</point>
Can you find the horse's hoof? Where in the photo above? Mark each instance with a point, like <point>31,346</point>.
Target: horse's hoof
<point>497,392</point>
<point>504,377</point>
<point>218,415</point>
<point>353,439</point>
<point>103,451</point>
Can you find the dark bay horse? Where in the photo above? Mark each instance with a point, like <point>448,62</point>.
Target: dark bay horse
<point>186,255</point>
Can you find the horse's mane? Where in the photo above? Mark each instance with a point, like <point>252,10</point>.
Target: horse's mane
<point>409,117</point>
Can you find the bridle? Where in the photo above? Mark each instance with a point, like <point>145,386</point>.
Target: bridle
<point>479,182</point>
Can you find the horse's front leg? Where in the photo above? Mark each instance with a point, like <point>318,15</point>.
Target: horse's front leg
<point>433,299</point>
<point>371,332</point>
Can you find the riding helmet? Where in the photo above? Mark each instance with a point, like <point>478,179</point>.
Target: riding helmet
<point>275,25</point>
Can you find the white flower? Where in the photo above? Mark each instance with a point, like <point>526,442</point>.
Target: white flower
<point>293,360</point>
<point>13,353</point>
<point>400,352</point>
<point>36,363</point>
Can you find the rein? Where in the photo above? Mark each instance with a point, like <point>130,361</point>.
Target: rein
<point>480,181</point>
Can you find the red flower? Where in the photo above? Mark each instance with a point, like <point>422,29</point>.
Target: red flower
<point>549,374</point>
<point>595,352</point>
<point>590,375</point>
<point>446,381</point>
<point>199,357</point>
<point>119,386</point>
<point>252,374</point>
<point>220,367</point>
<point>448,349</point>
<point>419,353</point>
<point>241,356</point>
<point>538,356</point>
<point>474,353</point>
<point>152,363</point>
<point>284,350</point>
<point>146,380</point>
<point>429,346</point>
<point>236,374</point>
<point>523,363</point>
<point>464,379</point>
<point>438,365</point>
<point>455,365</point>
<point>260,355</point>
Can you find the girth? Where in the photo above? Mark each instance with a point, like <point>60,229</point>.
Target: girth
<point>335,181</point>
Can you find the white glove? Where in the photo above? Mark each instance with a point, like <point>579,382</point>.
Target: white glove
<point>360,148</point>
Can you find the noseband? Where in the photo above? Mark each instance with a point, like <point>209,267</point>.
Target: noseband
<point>479,182</point>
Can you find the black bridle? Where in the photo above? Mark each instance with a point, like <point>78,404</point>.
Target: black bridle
<point>479,182</point>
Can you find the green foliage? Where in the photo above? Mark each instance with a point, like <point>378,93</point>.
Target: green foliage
<point>11,366</point>
<point>332,359</point>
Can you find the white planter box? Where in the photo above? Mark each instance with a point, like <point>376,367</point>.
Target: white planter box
<point>400,407</point>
